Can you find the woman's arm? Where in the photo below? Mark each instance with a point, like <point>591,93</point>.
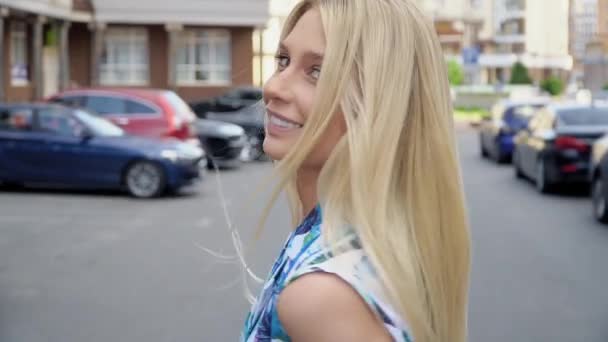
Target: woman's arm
<point>320,307</point>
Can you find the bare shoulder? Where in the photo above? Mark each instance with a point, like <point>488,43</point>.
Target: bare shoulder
<point>322,307</point>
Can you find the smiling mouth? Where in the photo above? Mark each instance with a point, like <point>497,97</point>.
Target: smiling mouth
<point>279,121</point>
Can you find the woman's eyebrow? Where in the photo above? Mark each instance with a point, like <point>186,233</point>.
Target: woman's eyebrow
<point>311,54</point>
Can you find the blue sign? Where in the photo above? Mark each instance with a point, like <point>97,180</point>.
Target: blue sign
<point>470,55</point>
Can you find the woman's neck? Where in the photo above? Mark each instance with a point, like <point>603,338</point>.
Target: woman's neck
<point>307,189</point>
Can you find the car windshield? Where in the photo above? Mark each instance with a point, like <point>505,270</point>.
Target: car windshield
<point>99,126</point>
<point>180,107</point>
<point>584,116</point>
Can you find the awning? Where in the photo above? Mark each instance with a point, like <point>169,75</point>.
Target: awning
<point>54,9</point>
<point>186,12</point>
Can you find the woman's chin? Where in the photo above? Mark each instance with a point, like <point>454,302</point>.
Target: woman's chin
<point>274,148</point>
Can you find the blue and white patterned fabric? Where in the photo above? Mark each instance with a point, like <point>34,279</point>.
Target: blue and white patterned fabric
<point>304,253</point>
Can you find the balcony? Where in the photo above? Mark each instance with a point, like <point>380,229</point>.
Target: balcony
<point>515,5</point>
<point>506,60</point>
<point>510,38</point>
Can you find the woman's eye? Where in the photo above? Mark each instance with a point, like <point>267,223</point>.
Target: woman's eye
<point>315,73</point>
<point>282,61</point>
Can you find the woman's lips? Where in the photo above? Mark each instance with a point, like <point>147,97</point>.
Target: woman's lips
<point>277,124</point>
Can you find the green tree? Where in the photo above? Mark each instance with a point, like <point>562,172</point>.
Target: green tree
<point>605,87</point>
<point>455,73</point>
<point>519,74</point>
<point>552,85</point>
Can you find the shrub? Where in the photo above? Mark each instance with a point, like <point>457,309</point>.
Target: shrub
<point>519,74</point>
<point>552,85</point>
<point>455,73</point>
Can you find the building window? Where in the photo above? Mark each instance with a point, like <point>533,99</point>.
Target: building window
<point>19,60</point>
<point>204,57</point>
<point>124,59</point>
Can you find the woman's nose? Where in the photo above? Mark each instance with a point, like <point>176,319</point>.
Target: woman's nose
<point>278,88</point>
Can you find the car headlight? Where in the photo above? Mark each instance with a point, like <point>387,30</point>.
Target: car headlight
<point>171,155</point>
<point>231,130</point>
<point>185,155</point>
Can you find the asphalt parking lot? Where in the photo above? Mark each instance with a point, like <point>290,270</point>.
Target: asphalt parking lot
<point>90,266</point>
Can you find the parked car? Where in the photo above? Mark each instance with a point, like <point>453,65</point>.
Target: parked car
<point>223,142</point>
<point>251,118</point>
<point>599,179</point>
<point>556,146</point>
<point>508,118</point>
<point>150,113</point>
<point>233,100</point>
<point>58,145</point>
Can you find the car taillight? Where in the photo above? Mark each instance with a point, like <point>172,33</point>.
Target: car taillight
<point>566,143</point>
<point>184,131</point>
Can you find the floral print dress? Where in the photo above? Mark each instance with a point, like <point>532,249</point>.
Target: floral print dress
<point>304,253</point>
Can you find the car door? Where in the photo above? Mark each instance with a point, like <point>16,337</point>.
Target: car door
<point>71,155</point>
<point>20,146</point>
<point>63,146</point>
<point>136,117</point>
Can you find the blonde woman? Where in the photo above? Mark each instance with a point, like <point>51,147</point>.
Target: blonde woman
<point>360,123</point>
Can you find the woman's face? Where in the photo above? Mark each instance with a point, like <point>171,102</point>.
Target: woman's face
<point>290,93</point>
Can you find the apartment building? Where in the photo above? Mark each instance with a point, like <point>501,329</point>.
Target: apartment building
<point>198,48</point>
<point>583,29</point>
<point>595,62</point>
<point>533,32</point>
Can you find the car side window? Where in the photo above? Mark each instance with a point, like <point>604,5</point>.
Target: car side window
<point>59,122</point>
<point>106,104</point>
<point>136,107</point>
<point>16,119</point>
<point>70,100</point>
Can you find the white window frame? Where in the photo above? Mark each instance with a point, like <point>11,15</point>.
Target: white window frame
<point>19,39</point>
<point>192,39</point>
<point>133,68</point>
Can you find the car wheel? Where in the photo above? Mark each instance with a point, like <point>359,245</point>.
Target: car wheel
<point>600,202</point>
<point>542,185</point>
<point>518,172</point>
<point>145,179</point>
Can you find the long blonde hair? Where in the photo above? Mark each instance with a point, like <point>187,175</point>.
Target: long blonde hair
<point>394,176</point>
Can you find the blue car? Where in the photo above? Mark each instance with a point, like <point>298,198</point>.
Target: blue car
<point>57,145</point>
<point>496,133</point>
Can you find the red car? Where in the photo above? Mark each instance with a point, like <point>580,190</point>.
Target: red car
<point>150,113</point>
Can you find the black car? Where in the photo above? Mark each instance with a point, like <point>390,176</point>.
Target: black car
<point>234,100</point>
<point>496,132</point>
<point>223,142</point>
<point>251,119</point>
<point>556,146</point>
